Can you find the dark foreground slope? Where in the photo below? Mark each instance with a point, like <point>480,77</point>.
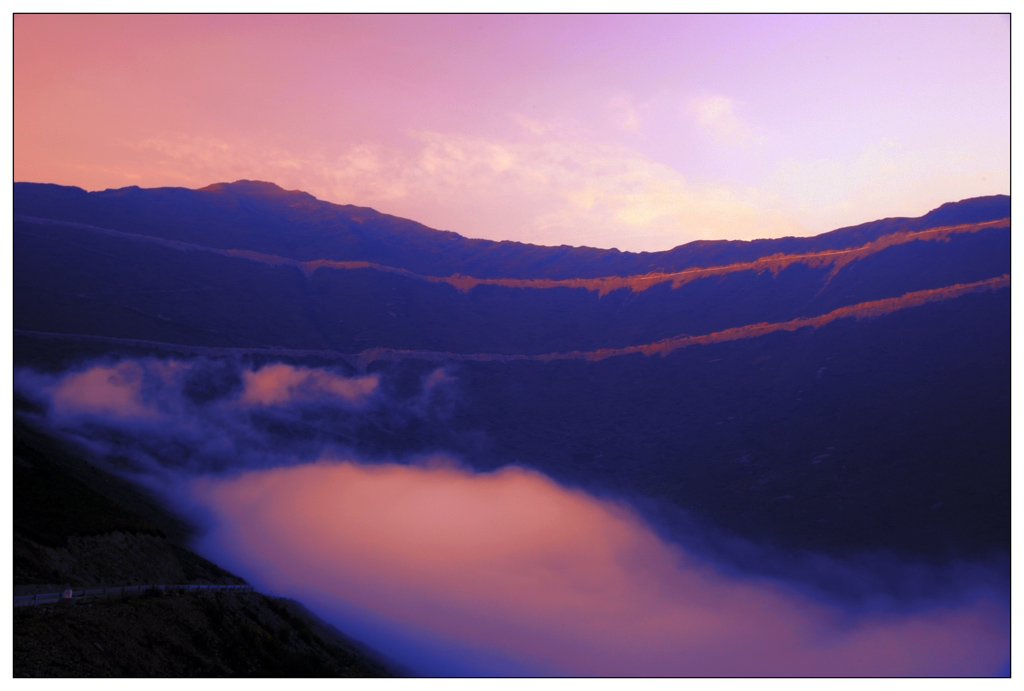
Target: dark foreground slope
<point>199,635</point>
<point>72,528</point>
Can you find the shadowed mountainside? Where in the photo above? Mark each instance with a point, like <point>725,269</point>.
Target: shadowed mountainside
<point>251,215</point>
<point>847,393</point>
<point>235,266</point>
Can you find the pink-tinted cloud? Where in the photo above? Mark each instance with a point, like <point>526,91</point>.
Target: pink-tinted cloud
<point>511,565</point>
<point>438,377</point>
<point>281,384</point>
<point>149,388</point>
<point>717,115</point>
<point>162,417</point>
<point>114,391</point>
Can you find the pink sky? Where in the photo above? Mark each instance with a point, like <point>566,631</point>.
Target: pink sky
<point>638,132</point>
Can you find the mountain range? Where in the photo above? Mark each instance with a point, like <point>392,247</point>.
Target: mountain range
<point>843,394</point>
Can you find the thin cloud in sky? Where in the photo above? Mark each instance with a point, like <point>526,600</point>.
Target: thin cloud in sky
<point>582,192</point>
<point>625,112</point>
<point>717,115</point>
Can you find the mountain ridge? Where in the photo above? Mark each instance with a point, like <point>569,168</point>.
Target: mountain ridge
<point>169,283</point>
<point>325,231</point>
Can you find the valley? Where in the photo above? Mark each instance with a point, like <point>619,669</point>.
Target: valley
<point>831,412</point>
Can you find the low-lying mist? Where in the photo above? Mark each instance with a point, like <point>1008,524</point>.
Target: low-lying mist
<point>451,571</point>
<point>511,565</point>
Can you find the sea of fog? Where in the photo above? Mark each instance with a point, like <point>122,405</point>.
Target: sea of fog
<point>450,571</point>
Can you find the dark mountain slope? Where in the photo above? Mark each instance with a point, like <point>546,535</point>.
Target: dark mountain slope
<point>890,433</point>
<point>74,524</point>
<point>71,279</point>
<point>197,635</point>
<point>74,281</point>
<point>262,217</point>
<point>718,252</point>
<point>77,526</point>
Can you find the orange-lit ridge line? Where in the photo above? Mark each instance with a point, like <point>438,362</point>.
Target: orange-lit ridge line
<point>606,284</point>
<point>362,359</point>
<point>861,310</point>
<point>602,285</point>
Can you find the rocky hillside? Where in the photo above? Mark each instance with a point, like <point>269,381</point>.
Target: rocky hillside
<point>201,635</point>
<point>76,526</point>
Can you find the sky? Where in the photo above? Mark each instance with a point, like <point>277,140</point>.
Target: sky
<point>638,132</point>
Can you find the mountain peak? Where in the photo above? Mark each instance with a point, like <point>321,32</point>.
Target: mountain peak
<point>251,187</point>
